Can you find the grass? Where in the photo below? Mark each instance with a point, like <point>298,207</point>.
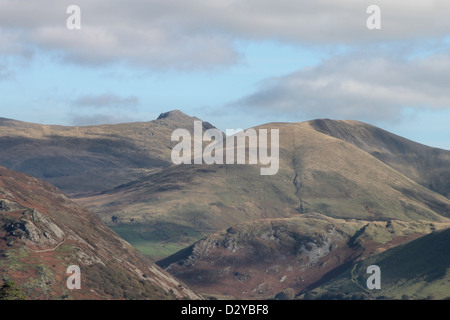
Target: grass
<point>158,241</point>
<point>156,251</point>
<point>419,269</point>
<point>317,174</point>
<point>12,261</point>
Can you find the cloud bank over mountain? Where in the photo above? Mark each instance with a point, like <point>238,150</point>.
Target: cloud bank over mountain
<point>357,86</point>
<point>334,67</point>
<point>202,33</point>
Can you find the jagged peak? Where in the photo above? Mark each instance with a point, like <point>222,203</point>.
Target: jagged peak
<point>173,114</point>
<point>181,117</point>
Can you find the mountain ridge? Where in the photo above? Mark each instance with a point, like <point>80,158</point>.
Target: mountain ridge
<point>80,159</point>
<point>318,173</point>
<point>426,165</point>
<point>379,190</point>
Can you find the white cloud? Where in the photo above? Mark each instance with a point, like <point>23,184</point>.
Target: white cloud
<point>357,86</point>
<point>198,34</point>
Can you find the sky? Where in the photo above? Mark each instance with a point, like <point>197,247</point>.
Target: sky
<point>235,64</point>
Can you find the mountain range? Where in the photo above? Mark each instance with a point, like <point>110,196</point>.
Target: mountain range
<point>346,193</point>
<point>164,211</point>
<point>89,158</point>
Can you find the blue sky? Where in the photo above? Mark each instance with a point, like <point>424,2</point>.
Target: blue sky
<point>233,63</point>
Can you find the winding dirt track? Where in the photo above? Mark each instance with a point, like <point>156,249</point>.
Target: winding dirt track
<point>52,249</point>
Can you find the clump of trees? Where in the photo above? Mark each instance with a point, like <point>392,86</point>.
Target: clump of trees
<point>11,291</point>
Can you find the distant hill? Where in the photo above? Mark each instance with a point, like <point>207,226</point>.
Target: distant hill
<point>172,208</point>
<point>427,166</point>
<point>42,233</point>
<point>90,158</point>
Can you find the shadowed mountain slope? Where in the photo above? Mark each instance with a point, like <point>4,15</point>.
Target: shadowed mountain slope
<point>90,158</point>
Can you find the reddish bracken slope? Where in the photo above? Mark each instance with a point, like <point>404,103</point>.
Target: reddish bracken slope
<point>42,233</point>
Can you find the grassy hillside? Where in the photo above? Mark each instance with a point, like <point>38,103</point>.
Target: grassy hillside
<point>419,269</point>
<point>427,166</point>
<point>317,173</point>
<point>344,191</point>
<point>261,258</point>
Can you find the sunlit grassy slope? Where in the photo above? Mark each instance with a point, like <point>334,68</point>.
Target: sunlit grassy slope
<point>318,173</point>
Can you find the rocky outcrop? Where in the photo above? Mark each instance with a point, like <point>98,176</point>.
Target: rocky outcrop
<point>264,258</point>
<point>42,233</point>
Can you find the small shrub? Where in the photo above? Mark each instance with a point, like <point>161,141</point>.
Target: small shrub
<point>11,291</point>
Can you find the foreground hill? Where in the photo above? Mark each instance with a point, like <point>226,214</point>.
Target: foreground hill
<point>318,173</point>
<point>271,258</point>
<point>419,269</point>
<point>90,158</point>
<point>42,233</point>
